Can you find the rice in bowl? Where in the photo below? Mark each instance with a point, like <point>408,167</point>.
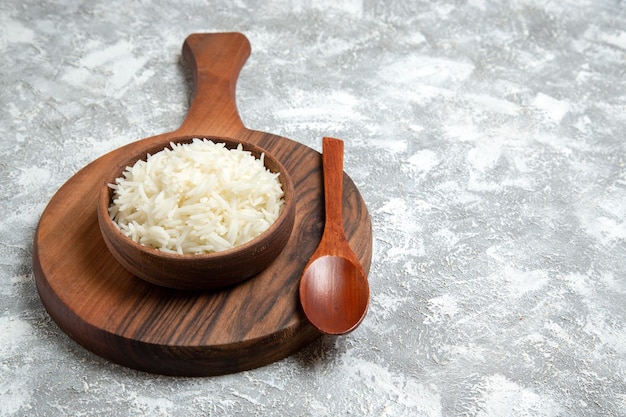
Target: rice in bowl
<point>195,198</point>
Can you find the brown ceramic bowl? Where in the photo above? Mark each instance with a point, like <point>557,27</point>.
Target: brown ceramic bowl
<point>198,271</point>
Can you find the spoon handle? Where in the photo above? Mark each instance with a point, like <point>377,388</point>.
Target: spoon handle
<point>332,160</point>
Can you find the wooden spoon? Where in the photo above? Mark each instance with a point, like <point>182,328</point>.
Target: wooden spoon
<point>334,291</point>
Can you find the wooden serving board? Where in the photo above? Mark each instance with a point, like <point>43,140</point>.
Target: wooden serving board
<point>120,317</point>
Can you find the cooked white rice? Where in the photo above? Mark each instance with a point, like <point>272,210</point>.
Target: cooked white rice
<point>199,197</point>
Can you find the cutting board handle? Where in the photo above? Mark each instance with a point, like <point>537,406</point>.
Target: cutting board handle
<point>215,60</point>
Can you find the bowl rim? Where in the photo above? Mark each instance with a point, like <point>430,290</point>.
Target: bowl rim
<point>104,200</point>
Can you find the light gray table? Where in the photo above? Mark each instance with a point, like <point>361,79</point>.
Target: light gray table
<point>487,139</point>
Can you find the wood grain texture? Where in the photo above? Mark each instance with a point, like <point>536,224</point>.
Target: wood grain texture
<point>109,311</point>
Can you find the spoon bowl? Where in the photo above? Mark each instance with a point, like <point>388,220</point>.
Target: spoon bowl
<point>334,291</point>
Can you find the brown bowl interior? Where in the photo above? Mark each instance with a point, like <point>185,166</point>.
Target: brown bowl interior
<point>198,271</point>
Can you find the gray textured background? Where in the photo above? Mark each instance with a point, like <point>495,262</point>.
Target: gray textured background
<point>487,139</point>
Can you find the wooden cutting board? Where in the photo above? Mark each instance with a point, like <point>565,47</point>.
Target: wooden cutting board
<point>120,317</point>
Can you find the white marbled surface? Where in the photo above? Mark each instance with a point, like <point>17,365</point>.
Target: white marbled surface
<point>487,139</point>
